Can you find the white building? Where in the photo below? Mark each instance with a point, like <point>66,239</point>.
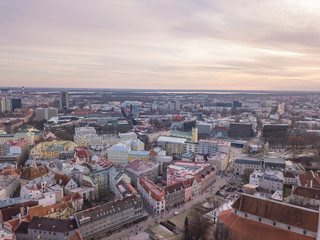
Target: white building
<point>119,153</point>
<point>8,185</point>
<point>81,131</point>
<point>271,180</point>
<point>152,194</point>
<point>127,136</point>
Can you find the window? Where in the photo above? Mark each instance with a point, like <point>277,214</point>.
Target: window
<point>289,228</point>
<point>274,223</point>
<point>259,219</point>
<point>304,232</point>
<point>246,215</point>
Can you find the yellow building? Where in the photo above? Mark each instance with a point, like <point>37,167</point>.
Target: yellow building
<point>52,149</point>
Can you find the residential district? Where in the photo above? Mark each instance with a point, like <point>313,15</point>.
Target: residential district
<point>112,164</point>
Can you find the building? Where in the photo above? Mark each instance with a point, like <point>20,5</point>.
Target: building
<point>220,160</point>
<point>8,185</point>
<point>152,194</point>
<point>241,165</point>
<point>204,128</point>
<point>189,124</point>
<point>191,147</point>
<point>80,131</point>
<point>46,228</point>
<point>109,216</point>
<point>275,131</point>
<point>16,103</point>
<point>52,149</point>
<point>175,195</point>
<point>142,155</point>
<point>174,146</point>
<point>256,218</point>
<point>119,153</point>
<point>270,180</point>
<point>181,171</point>
<point>289,178</point>
<point>15,152</point>
<point>309,179</point>
<point>190,136</point>
<point>45,113</point>
<point>305,196</point>
<point>138,168</point>
<point>241,130</point>
<point>64,100</point>
<point>127,136</point>
<point>125,189</point>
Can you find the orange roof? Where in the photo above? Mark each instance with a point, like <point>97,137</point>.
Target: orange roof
<point>72,197</point>
<point>61,179</point>
<point>310,179</point>
<point>279,212</point>
<point>156,192</point>
<point>41,211</point>
<point>242,229</point>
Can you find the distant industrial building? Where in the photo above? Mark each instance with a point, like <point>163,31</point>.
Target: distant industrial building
<point>45,113</point>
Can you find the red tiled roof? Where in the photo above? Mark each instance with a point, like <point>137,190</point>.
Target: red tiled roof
<point>61,179</point>
<point>72,197</point>
<point>31,173</point>
<point>306,192</point>
<point>156,192</point>
<point>244,229</point>
<point>279,212</point>
<point>41,211</point>
<point>310,179</point>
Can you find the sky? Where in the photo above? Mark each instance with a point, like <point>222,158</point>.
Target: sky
<point>161,44</point>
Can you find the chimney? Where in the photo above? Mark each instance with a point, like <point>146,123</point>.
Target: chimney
<point>22,211</point>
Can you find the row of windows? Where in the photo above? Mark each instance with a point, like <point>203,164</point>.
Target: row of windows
<point>273,223</point>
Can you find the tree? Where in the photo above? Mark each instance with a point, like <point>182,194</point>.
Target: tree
<point>198,228</point>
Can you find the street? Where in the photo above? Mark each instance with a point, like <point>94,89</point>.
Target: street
<point>137,231</point>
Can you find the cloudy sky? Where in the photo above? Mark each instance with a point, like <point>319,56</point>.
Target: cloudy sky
<point>176,44</point>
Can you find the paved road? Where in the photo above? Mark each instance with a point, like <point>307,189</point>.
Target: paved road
<point>137,231</point>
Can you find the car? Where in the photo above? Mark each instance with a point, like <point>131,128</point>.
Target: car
<point>175,213</point>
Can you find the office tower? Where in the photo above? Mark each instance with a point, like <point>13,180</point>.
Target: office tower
<point>16,103</point>
<point>64,100</point>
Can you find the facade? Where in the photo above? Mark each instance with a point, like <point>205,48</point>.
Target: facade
<point>175,195</point>
<point>127,136</point>
<point>241,130</point>
<point>252,217</point>
<point>191,147</point>
<point>305,196</point>
<point>119,153</point>
<point>241,165</point>
<point>50,228</point>
<point>152,194</point>
<point>109,216</point>
<point>45,113</point>
<point>173,145</point>
<point>220,160</point>
<point>204,128</point>
<point>8,185</point>
<point>270,180</point>
<point>52,149</point>
<point>142,155</point>
<point>289,178</point>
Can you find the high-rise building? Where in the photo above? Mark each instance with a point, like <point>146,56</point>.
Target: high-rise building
<point>16,103</point>
<point>64,100</point>
<point>6,105</point>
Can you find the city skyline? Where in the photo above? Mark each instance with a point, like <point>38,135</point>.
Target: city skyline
<point>247,45</point>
